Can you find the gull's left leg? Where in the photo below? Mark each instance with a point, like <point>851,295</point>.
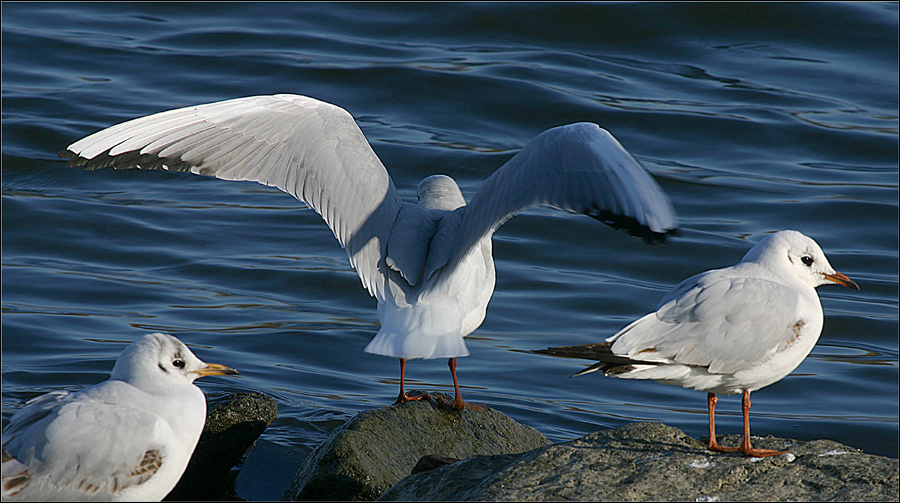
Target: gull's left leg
<point>403,397</point>
<point>748,449</point>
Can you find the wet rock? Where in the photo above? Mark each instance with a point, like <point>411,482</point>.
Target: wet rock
<point>653,462</point>
<point>377,448</point>
<point>429,462</point>
<point>233,423</point>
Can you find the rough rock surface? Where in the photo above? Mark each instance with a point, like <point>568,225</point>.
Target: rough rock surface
<point>377,448</point>
<point>233,423</point>
<point>656,462</point>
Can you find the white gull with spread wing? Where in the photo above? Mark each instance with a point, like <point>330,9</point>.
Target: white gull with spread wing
<point>429,265</point>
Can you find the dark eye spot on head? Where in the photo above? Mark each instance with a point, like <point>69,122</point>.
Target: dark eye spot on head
<point>178,363</point>
<point>807,260</point>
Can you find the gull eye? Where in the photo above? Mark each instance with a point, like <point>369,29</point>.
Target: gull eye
<point>807,260</point>
<point>178,364</point>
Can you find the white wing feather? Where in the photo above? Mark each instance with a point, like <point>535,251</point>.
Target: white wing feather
<point>51,450</point>
<point>706,320</point>
<point>579,168</point>
<point>316,152</point>
<point>310,149</point>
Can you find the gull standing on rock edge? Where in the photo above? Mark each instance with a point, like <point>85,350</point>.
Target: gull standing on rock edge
<point>429,265</point>
<point>126,439</point>
<point>726,331</point>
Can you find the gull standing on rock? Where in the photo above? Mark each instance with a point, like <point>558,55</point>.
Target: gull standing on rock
<point>727,331</point>
<point>126,439</point>
<point>429,265</point>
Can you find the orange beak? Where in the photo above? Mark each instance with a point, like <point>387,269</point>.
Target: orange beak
<point>841,280</point>
<point>214,369</point>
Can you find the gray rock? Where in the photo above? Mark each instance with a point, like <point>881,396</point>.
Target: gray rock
<point>233,423</point>
<point>656,462</point>
<point>430,462</point>
<point>377,448</point>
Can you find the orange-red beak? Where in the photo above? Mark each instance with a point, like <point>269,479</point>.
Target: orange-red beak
<point>841,280</point>
<point>214,369</point>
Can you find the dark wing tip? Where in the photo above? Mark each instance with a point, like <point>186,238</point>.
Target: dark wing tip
<point>126,160</point>
<point>608,362</point>
<point>592,351</point>
<point>632,227</point>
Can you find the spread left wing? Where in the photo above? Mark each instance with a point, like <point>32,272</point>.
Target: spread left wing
<point>308,148</point>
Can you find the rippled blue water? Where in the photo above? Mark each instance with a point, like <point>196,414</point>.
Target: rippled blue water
<point>753,117</point>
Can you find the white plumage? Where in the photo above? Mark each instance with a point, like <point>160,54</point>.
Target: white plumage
<point>429,265</point>
<point>727,331</point>
<point>126,439</point>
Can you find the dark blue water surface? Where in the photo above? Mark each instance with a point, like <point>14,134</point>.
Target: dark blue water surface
<point>753,117</point>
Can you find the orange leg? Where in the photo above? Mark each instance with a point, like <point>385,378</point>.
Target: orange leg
<point>458,402</point>
<point>403,397</point>
<point>748,449</point>
<point>712,400</point>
